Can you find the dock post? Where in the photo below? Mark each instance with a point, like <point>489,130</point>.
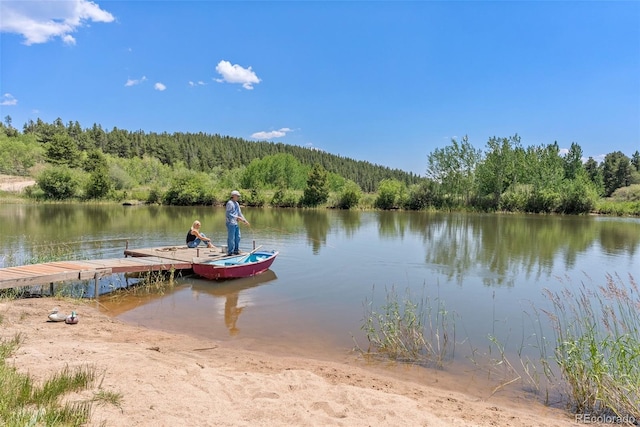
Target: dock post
<point>198,253</point>
<point>254,245</point>
<point>126,248</point>
<point>96,285</point>
<point>51,289</point>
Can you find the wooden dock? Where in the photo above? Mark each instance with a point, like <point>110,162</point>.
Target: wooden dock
<point>167,258</point>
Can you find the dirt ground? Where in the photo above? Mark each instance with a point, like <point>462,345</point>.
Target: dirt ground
<point>15,184</point>
<point>173,380</point>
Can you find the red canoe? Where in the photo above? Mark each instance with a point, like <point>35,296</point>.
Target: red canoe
<point>236,266</point>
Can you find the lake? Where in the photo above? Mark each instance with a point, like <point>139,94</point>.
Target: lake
<point>487,270</point>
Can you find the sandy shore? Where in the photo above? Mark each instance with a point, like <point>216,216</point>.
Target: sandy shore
<point>174,380</point>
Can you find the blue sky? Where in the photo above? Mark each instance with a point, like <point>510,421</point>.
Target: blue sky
<point>385,82</point>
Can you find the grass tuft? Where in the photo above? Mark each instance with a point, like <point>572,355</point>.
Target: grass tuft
<point>421,332</point>
<point>597,331</point>
<point>104,397</point>
<point>24,403</point>
<point>67,380</point>
<point>150,283</point>
<point>50,252</point>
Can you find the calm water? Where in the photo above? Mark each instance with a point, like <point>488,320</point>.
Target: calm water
<point>488,270</point>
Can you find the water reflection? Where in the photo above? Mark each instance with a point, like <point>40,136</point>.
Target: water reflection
<point>317,226</point>
<point>499,249</point>
<point>391,225</point>
<point>508,247</point>
<point>350,221</point>
<point>617,238</point>
<point>230,290</point>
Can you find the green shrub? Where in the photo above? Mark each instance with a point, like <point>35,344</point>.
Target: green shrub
<point>348,199</point>
<point>188,189</point>
<point>579,196</point>
<point>141,194</point>
<point>391,194</point>
<point>254,199</point>
<point>99,185</point>
<point>611,207</point>
<point>486,203</point>
<point>544,200</point>
<point>19,154</point>
<point>422,196</point>
<point>154,196</point>
<point>630,193</point>
<point>120,178</point>
<point>284,199</point>
<point>515,199</point>
<point>349,196</point>
<point>58,182</point>
<point>367,201</point>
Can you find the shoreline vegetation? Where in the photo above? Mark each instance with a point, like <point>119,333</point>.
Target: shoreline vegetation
<point>587,365</point>
<point>67,162</point>
<point>588,362</point>
<point>604,207</point>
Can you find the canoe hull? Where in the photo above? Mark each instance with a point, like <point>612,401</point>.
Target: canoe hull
<point>235,267</point>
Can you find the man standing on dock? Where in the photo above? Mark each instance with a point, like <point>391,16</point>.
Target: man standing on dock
<point>234,214</point>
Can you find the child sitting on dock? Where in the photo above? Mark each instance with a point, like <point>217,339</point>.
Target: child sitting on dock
<point>195,237</point>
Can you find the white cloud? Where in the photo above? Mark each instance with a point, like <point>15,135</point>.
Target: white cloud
<point>8,99</point>
<point>198,83</point>
<point>563,151</point>
<point>133,82</point>
<point>271,134</point>
<point>159,86</point>
<point>310,146</point>
<point>236,74</point>
<point>40,20</point>
<point>68,39</point>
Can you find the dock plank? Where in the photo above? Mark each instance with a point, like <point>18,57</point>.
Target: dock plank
<point>73,265</point>
<point>38,280</point>
<point>44,269</point>
<point>17,272</point>
<point>181,253</point>
<point>136,261</point>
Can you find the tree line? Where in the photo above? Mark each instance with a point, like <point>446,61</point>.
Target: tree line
<point>196,168</point>
<point>202,152</point>
<point>539,178</point>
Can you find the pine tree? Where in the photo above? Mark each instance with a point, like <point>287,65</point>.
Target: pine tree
<point>317,191</point>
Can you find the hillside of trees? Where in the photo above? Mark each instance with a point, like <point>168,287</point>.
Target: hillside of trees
<point>203,152</point>
<point>187,169</point>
